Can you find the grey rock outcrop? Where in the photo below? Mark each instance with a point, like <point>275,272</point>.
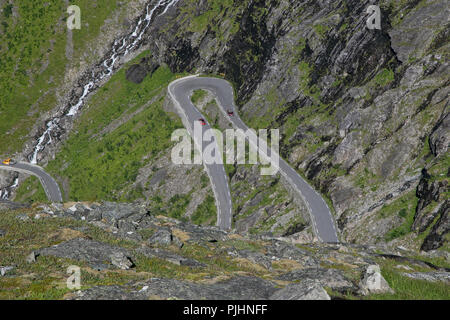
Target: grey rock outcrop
<point>108,293</point>
<point>23,217</point>
<point>5,270</point>
<point>164,237</point>
<point>306,290</point>
<point>440,138</point>
<point>96,254</point>
<point>257,258</point>
<point>414,35</point>
<point>373,282</point>
<point>236,288</point>
<point>136,73</point>
<point>285,251</point>
<point>436,237</point>
<point>231,268</point>
<point>432,204</point>
<point>427,192</point>
<point>31,258</point>
<point>7,205</point>
<point>120,260</point>
<point>429,276</point>
<point>197,233</point>
<point>330,278</point>
<point>113,212</point>
<point>170,257</point>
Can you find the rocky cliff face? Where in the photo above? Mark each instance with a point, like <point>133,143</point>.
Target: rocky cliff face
<point>433,205</point>
<point>362,112</point>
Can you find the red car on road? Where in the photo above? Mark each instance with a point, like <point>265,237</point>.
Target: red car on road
<point>202,122</point>
<point>230,113</point>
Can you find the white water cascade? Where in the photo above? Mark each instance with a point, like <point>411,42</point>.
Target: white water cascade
<point>120,49</point>
<point>4,193</point>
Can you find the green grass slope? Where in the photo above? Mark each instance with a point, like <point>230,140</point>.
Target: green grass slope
<point>33,61</point>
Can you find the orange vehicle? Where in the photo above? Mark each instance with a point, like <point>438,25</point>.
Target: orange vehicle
<point>9,162</point>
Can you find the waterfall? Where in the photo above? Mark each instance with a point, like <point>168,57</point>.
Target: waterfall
<point>120,48</point>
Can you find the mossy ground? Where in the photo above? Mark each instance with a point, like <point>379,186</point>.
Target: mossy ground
<point>46,278</point>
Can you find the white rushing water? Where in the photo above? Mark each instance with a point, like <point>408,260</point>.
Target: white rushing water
<point>52,124</point>
<point>16,183</point>
<point>4,193</point>
<point>127,44</point>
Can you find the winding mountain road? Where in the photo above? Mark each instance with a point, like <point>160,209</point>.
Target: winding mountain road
<point>49,184</point>
<point>180,91</point>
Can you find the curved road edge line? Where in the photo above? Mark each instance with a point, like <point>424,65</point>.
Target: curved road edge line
<point>284,174</point>
<point>184,118</point>
<point>40,175</point>
<point>287,178</point>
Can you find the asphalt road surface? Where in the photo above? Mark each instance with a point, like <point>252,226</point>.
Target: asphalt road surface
<point>50,186</point>
<point>180,91</point>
